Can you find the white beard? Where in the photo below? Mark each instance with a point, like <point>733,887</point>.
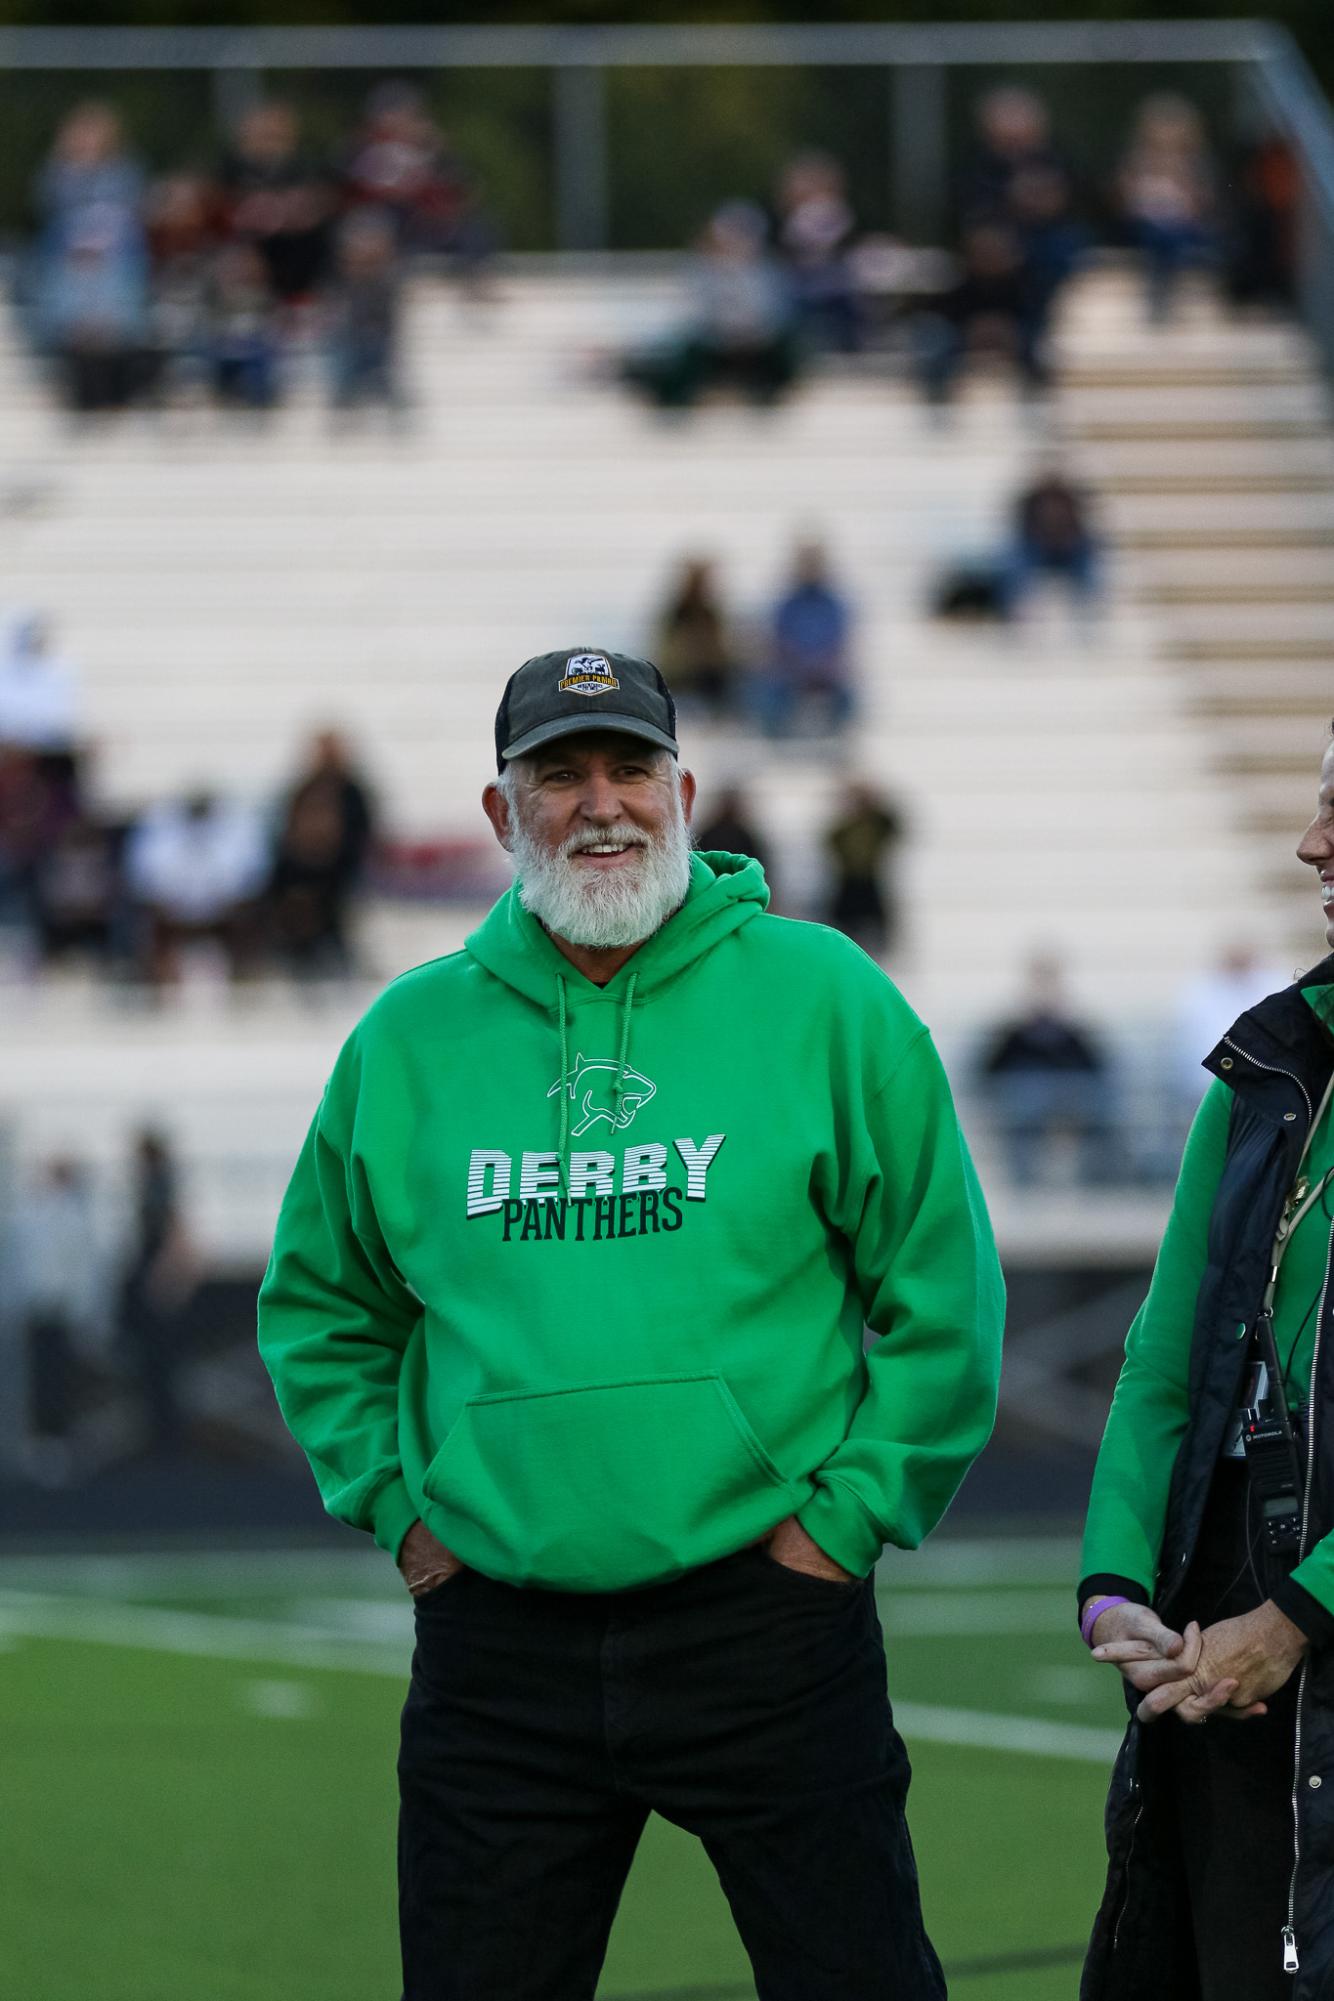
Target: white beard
<point>595,907</point>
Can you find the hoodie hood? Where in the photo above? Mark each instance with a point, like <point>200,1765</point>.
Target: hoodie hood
<point>725,892</point>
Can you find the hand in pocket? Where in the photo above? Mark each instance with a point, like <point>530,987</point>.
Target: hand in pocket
<point>425,1562</point>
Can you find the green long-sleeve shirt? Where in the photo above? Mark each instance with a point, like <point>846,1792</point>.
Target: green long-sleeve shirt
<point>1148,1417</point>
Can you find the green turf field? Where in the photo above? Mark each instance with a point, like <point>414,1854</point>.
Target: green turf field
<point>198,1781</point>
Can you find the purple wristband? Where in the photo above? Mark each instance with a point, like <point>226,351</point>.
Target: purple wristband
<point>1093,1613</point>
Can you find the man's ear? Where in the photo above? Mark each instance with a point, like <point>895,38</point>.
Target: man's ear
<point>497,810</point>
<point>687,795</point>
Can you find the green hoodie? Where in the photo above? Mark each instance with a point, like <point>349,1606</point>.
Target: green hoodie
<point>578,1274</point>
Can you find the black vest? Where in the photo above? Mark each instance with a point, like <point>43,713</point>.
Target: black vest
<point>1277,1059</point>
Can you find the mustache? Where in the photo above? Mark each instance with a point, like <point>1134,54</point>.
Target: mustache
<point>599,837</point>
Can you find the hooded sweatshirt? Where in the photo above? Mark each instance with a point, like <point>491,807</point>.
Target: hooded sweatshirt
<point>580,1275</point>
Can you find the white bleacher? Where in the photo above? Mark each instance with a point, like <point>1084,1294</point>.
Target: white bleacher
<point>226,587</point>
<point>1210,440</point>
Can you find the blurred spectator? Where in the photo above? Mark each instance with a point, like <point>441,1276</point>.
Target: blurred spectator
<point>740,333</point>
<point>195,866</point>
<point>992,309</point>
<point>816,234</point>
<point>33,811</point>
<point>399,162</point>
<point>364,313</point>
<point>159,1278</point>
<point>241,334</point>
<point>1166,190</point>
<point>90,176</point>
<point>91,262</point>
<point>183,222</point>
<point>804,681</point>
<point>1053,537</point>
<point>61,1290</point>
<point>729,829</point>
<point>39,695</point>
<point>860,844</point>
<point>320,856</point>
<point>1017,180</point>
<point>1207,1007</point>
<point>1264,197</point>
<point>693,644</point>
<point>1012,139</point>
<point>276,198</point>
<point>396,162</point>
<point>183,219</point>
<point>1047,1077</point>
<point>76,883</point>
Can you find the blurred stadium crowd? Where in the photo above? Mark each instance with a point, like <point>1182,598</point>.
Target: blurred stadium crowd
<point>772,287</point>
<point>213,280</point>
<point>125,896</point>
<point>217,279</point>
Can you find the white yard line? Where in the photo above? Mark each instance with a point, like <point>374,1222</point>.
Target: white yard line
<point>49,1616</point>
<point>203,1633</point>
<point>1086,1743</point>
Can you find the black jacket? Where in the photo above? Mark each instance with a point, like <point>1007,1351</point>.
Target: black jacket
<point>1277,1060</point>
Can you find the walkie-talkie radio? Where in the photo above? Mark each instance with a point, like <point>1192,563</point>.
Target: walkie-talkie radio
<point>1272,1462</point>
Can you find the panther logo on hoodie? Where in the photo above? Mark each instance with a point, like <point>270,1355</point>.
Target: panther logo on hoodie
<point>590,1085</point>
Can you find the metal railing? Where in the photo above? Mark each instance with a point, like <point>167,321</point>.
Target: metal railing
<point>1266,61</point>
<point>1263,56</point>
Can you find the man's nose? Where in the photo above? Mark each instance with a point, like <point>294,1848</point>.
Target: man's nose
<point>599,799</point>
<point>1316,845</point>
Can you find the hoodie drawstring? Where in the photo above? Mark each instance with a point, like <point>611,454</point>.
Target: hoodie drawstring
<point>567,1082</point>
<point>563,1017</point>
<point>623,1054</point>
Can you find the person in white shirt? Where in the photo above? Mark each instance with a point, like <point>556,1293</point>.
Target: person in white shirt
<point>39,691</point>
<point>195,867</point>
<point>1209,1004</point>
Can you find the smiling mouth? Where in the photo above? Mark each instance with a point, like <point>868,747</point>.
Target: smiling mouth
<point>608,851</point>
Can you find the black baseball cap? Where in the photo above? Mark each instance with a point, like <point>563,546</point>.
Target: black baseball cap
<point>580,688</point>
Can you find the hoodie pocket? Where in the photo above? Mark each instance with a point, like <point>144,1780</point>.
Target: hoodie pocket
<point>602,1486</point>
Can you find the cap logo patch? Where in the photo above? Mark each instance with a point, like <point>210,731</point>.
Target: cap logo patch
<point>588,674</point>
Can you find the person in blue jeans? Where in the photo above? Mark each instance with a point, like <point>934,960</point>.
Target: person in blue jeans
<point>1052,537</point>
<point>1047,1075</point>
<point>364,314</point>
<point>1168,198</point>
<point>805,679</point>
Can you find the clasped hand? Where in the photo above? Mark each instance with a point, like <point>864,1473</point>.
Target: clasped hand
<point>1228,1668</point>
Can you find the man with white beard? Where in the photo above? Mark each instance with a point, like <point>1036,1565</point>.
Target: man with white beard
<point>567,1308</point>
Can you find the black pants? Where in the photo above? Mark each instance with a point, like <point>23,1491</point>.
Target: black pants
<point>744,1702</point>
<point>1232,1783</point>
